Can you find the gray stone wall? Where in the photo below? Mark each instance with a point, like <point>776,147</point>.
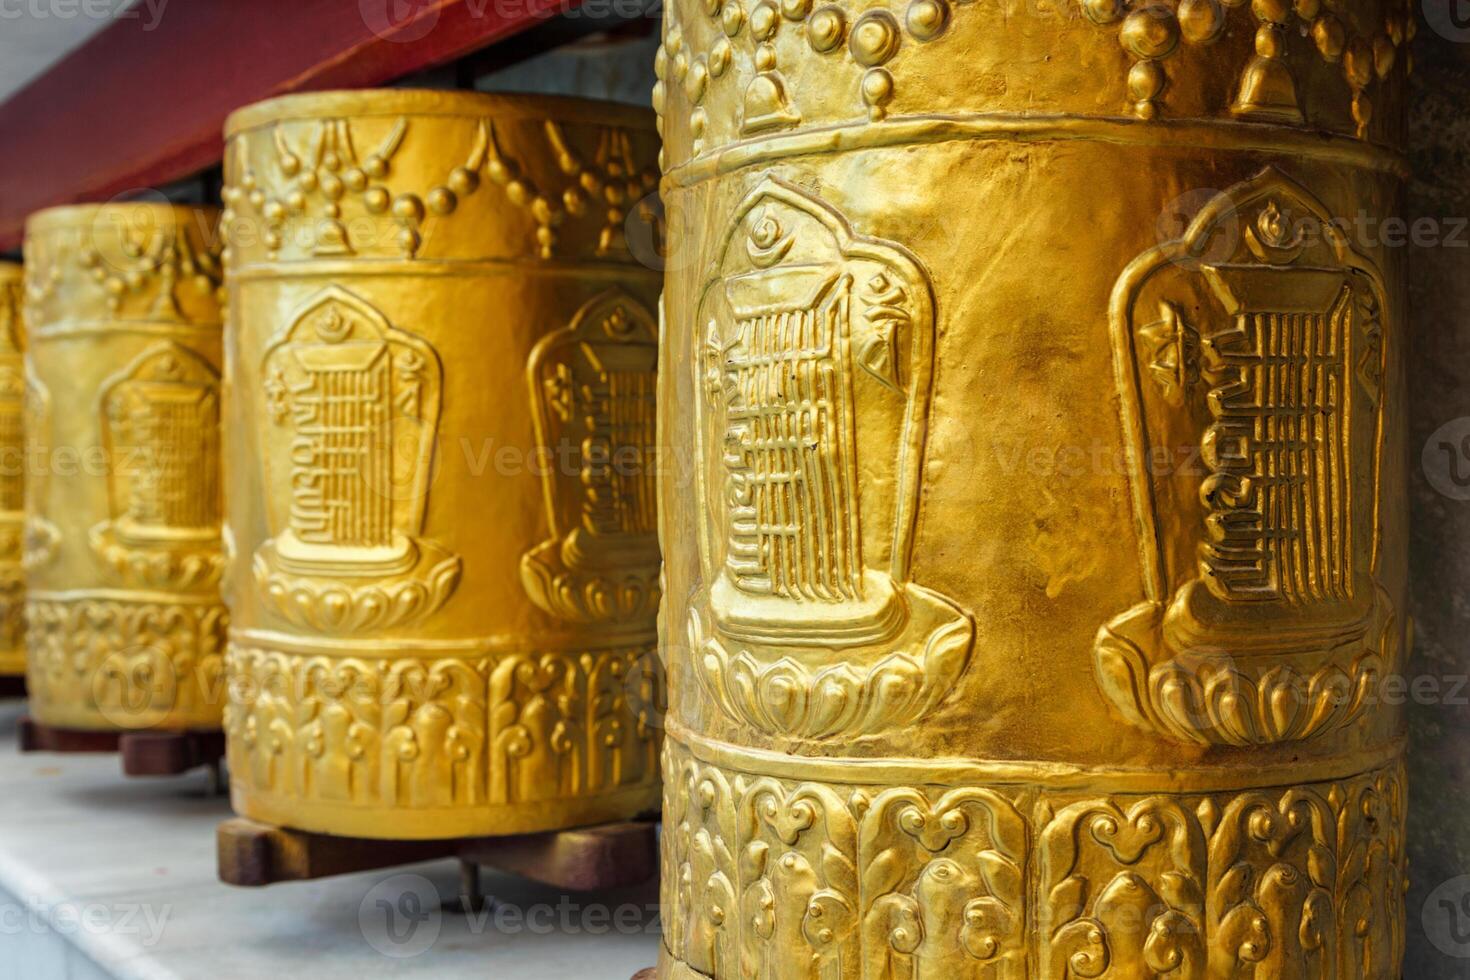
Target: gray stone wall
<point>1439,396</point>
<point>600,67</point>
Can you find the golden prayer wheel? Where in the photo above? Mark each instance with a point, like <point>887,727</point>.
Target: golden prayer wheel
<point>122,553</point>
<point>12,471</point>
<point>440,458</point>
<point>1041,551</point>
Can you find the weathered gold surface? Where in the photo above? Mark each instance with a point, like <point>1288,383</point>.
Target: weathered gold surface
<point>122,523</point>
<point>440,461</point>
<point>1040,554</point>
<point>12,470</point>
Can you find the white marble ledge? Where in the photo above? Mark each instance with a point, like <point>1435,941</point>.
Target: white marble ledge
<point>107,877</point>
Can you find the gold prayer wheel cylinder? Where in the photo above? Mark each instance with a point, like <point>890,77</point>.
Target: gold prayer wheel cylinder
<point>122,550</point>
<point>12,470</point>
<point>440,459</point>
<point>1040,558</point>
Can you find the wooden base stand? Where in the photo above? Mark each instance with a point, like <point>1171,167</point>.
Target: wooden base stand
<point>143,753</point>
<point>609,856</point>
<point>36,737</point>
<point>12,686</point>
<point>649,974</point>
<point>170,753</point>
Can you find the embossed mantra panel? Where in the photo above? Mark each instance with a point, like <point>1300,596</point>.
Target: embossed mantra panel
<point>441,462</point>
<point>1041,551</point>
<point>122,549</point>
<point>12,470</point>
